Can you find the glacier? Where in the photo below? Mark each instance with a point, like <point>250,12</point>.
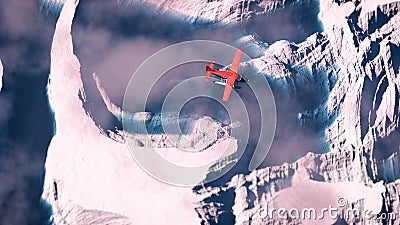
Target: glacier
<point>1,76</point>
<point>353,67</point>
<point>68,145</point>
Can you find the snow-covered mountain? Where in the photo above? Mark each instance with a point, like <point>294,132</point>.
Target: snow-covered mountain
<point>355,61</point>
<point>352,69</point>
<point>198,11</point>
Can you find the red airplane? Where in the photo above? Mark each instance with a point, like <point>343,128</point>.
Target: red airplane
<point>230,76</point>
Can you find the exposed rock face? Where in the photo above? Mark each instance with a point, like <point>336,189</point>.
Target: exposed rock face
<point>227,11</point>
<point>199,133</point>
<point>199,11</point>
<point>260,188</point>
<point>392,200</point>
<point>356,70</point>
<point>367,87</point>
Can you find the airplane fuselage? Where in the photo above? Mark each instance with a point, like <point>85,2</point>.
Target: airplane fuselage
<point>230,76</point>
<point>225,74</point>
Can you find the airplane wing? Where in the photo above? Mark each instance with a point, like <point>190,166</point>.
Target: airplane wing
<point>236,61</point>
<point>228,88</point>
<point>209,70</point>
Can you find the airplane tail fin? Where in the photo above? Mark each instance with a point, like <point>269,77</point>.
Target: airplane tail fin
<point>209,71</point>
